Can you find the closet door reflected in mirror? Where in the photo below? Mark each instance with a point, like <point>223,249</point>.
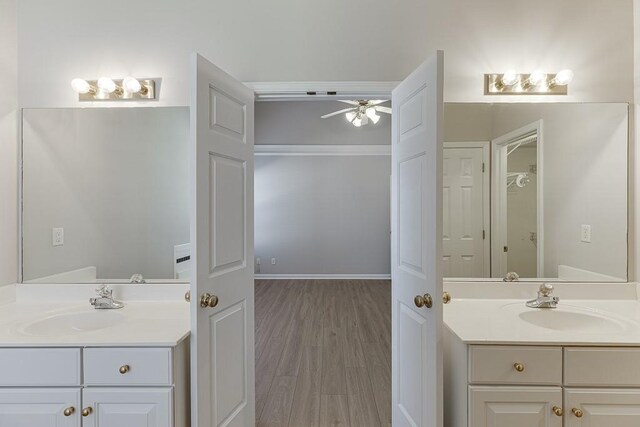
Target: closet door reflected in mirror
<point>539,190</point>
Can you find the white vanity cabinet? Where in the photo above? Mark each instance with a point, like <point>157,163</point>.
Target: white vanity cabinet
<point>98,386</point>
<point>540,386</point>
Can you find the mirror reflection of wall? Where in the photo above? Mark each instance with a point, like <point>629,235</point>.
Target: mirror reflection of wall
<point>105,194</point>
<point>548,202</point>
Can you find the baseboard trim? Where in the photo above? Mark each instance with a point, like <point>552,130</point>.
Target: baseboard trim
<point>323,276</point>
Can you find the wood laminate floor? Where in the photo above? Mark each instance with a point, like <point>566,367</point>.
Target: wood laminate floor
<point>323,353</point>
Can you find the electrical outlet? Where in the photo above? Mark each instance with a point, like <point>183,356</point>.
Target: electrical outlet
<point>585,235</point>
<point>258,261</point>
<point>273,261</point>
<point>57,237</point>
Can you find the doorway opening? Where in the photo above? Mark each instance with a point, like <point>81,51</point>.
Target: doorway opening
<point>322,264</point>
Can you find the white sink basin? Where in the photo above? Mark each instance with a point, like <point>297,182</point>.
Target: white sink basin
<point>570,318</point>
<point>71,323</point>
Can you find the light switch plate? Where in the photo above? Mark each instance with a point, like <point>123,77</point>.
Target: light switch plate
<point>273,261</point>
<point>57,236</point>
<point>585,235</point>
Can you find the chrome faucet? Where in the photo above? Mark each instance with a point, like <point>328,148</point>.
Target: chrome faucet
<point>544,300</point>
<point>105,300</point>
<point>511,276</point>
<point>137,278</point>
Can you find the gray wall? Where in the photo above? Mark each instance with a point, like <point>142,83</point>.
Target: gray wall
<point>116,179</point>
<point>8,143</point>
<point>320,214</point>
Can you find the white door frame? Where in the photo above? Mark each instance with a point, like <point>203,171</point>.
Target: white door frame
<point>320,91</point>
<point>486,196</point>
<point>499,197</point>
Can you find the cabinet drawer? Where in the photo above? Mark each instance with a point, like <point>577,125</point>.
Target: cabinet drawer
<point>497,365</point>
<point>26,367</point>
<point>127,366</point>
<point>602,367</point>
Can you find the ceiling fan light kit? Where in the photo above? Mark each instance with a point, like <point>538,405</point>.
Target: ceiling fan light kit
<point>362,111</point>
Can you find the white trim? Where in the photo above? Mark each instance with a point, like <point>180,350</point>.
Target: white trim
<point>322,150</point>
<point>486,196</point>
<point>323,276</point>
<point>297,91</point>
<point>498,204</point>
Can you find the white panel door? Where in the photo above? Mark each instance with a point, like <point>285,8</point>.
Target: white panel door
<point>515,407</point>
<point>127,407</point>
<point>222,357</point>
<point>24,407</point>
<point>463,198</point>
<point>602,407</point>
<point>417,135</point>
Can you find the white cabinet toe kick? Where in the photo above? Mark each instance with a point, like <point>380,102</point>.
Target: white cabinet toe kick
<point>96,386</point>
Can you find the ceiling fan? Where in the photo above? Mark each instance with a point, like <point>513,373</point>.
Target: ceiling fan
<point>362,111</point>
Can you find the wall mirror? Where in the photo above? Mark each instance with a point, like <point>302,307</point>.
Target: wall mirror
<point>105,195</point>
<point>539,190</point>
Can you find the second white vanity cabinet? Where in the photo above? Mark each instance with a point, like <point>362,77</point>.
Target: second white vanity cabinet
<point>98,386</point>
<point>536,386</point>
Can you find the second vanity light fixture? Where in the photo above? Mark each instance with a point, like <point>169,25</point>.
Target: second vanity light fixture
<point>536,83</point>
<point>107,89</point>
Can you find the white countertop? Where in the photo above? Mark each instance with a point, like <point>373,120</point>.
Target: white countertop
<point>153,316</point>
<point>500,321</point>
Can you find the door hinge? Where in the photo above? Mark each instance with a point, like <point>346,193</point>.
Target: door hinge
<point>482,167</point>
<point>506,249</point>
<point>484,235</point>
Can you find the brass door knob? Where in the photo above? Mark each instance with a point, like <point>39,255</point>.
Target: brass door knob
<point>423,301</point>
<point>446,297</point>
<point>69,411</point>
<point>87,411</point>
<point>577,412</point>
<point>518,367</point>
<point>558,411</point>
<point>208,300</point>
<point>124,369</point>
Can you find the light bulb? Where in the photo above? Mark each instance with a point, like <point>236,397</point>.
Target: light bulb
<point>106,84</point>
<point>131,85</point>
<point>81,86</point>
<point>357,122</point>
<point>509,78</point>
<point>563,78</point>
<point>350,116</point>
<point>537,77</point>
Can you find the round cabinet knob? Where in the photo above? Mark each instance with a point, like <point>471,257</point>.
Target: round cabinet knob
<point>69,411</point>
<point>87,411</point>
<point>423,301</point>
<point>518,367</point>
<point>558,411</point>
<point>124,369</point>
<point>446,297</point>
<point>577,412</point>
<point>187,296</point>
<point>208,301</point>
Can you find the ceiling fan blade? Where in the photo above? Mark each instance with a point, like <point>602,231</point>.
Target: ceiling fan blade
<point>349,102</point>
<point>377,101</point>
<point>386,110</point>
<point>335,113</point>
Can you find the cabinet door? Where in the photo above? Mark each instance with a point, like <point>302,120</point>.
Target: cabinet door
<point>127,407</point>
<point>40,407</point>
<point>514,406</point>
<point>602,407</point>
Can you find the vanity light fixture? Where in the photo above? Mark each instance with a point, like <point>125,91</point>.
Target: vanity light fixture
<point>108,89</point>
<point>536,83</point>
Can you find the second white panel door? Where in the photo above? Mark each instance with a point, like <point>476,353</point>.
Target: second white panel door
<point>602,407</point>
<point>514,406</point>
<point>121,407</point>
